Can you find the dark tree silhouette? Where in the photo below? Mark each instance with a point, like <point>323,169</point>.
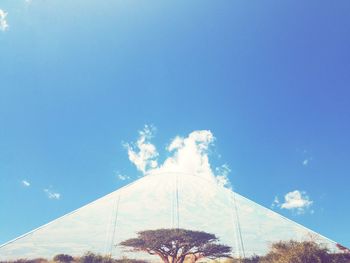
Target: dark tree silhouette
<point>63,258</point>
<point>176,245</point>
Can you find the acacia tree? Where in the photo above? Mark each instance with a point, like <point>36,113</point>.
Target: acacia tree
<point>176,245</point>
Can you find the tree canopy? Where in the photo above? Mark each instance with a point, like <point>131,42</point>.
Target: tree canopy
<point>298,252</point>
<point>176,245</point>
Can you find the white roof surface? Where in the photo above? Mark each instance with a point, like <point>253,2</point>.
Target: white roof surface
<point>160,201</point>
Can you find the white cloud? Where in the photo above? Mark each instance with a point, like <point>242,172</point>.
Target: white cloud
<point>25,183</point>
<point>275,203</point>
<point>306,162</point>
<point>307,158</point>
<point>176,143</point>
<point>122,177</point>
<point>189,155</point>
<point>3,22</point>
<point>143,154</point>
<point>52,195</point>
<point>296,200</point>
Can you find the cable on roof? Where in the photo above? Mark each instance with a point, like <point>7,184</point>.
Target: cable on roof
<point>114,227</point>
<point>238,225</point>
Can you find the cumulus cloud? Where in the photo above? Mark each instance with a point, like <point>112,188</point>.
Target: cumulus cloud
<point>51,194</point>
<point>143,154</point>
<point>3,22</point>
<point>296,200</point>
<point>188,155</point>
<point>25,183</point>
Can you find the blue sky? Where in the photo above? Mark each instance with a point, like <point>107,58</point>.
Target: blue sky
<point>79,79</point>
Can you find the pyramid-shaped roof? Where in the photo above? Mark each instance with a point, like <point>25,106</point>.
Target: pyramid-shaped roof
<point>172,200</point>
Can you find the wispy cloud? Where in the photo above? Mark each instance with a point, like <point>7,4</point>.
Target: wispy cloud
<point>296,200</point>
<point>306,162</point>
<point>275,203</point>
<point>121,176</point>
<point>222,173</point>
<point>3,22</point>
<point>143,154</point>
<point>25,183</point>
<point>51,194</point>
<point>307,158</point>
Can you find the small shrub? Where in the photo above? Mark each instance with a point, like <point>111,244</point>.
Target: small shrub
<point>63,258</point>
<point>128,260</point>
<point>298,252</point>
<point>35,260</point>
<point>90,257</point>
